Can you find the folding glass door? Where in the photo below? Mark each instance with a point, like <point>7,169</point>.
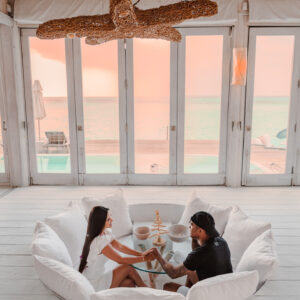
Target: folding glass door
<point>99,76</point>
<point>272,107</point>
<point>203,85</point>
<point>138,111</point>
<point>49,93</point>
<point>123,109</point>
<point>151,111</point>
<point>154,112</point>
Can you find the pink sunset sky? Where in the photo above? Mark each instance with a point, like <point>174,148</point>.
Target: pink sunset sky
<point>151,57</point>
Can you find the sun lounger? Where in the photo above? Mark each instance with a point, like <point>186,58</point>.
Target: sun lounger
<point>58,140</point>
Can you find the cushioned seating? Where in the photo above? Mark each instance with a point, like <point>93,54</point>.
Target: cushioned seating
<point>261,256</point>
<point>62,279</point>
<point>240,232</point>
<point>71,227</point>
<point>46,243</point>
<point>136,294</point>
<point>57,249</point>
<point>118,209</point>
<point>196,203</point>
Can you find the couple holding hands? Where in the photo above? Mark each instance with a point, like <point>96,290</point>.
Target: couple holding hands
<point>209,256</point>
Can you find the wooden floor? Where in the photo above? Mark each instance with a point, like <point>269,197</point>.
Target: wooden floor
<point>20,208</point>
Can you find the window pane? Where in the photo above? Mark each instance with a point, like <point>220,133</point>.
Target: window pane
<point>151,61</point>
<point>272,85</point>
<point>203,89</point>
<point>101,107</point>
<point>50,102</point>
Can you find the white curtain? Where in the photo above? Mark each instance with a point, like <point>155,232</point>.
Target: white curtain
<point>274,12</point>
<point>39,11</point>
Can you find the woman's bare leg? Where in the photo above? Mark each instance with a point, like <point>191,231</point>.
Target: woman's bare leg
<point>127,282</point>
<point>135,276</point>
<point>125,271</point>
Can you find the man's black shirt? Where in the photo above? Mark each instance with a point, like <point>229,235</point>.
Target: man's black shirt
<point>210,260</point>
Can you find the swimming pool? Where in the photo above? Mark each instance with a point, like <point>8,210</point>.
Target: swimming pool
<point>110,164</point>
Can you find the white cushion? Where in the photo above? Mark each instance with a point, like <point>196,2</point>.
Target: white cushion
<point>220,214</point>
<point>232,286</point>
<point>71,227</point>
<point>119,211</point>
<point>46,243</point>
<point>240,232</point>
<point>62,279</point>
<point>260,256</point>
<point>136,294</point>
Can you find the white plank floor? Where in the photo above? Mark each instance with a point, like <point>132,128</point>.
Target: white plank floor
<point>20,208</point>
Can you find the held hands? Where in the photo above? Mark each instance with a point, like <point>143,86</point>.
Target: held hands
<point>151,254</point>
<point>155,252</point>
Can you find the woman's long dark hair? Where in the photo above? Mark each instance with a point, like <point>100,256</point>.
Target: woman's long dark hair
<point>96,225</point>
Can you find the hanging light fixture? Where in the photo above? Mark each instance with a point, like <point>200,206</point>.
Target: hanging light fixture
<point>125,20</point>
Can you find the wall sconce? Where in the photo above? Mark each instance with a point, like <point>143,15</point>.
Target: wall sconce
<point>239,66</point>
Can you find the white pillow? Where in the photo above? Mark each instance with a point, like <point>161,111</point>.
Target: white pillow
<point>119,211</point>
<point>136,294</point>
<point>240,232</point>
<point>62,279</point>
<point>220,214</point>
<point>260,256</point>
<point>71,227</point>
<point>46,243</point>
<point>232,286</point>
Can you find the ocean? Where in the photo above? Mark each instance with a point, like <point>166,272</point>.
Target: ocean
<point>202,118</point>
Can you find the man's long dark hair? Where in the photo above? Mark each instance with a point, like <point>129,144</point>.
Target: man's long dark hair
<point>95,227</point>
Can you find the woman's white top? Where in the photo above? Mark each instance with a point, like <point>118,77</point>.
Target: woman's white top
<point>96,260</point>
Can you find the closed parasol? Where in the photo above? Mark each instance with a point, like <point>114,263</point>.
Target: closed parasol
<point>38,103</point>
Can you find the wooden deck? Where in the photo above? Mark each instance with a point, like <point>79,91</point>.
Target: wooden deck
<point>20,208</point>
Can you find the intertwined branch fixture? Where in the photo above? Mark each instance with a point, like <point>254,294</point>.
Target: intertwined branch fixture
<point>125,20</point>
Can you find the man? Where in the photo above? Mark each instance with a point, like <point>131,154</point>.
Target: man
<point>210,255</point>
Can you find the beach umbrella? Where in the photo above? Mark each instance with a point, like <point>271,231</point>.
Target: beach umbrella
<point>281,134</point>
<point>38,103</point>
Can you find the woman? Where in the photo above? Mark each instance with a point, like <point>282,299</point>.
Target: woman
<point>99,245</point>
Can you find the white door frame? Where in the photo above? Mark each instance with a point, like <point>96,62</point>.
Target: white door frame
<point>4,177</point>
<point>203,179</point>
<point>49,178</point>
<point>151,179</point>
<point>296,173</point>
<point>96,179</point>
<point>270,179</point>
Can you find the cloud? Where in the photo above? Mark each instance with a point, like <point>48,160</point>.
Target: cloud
<point>94,57</point>
<point>49,49</point>
<point>51,73</point>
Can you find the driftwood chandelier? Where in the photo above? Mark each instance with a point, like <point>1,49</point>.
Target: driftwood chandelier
<point>125,20</point>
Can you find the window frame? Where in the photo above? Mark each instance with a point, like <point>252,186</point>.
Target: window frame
<point>271,179</point>
<point>202,178</point>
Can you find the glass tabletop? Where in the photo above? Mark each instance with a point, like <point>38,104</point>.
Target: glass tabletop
<point>171,251</point>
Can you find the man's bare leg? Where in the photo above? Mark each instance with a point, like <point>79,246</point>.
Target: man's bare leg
<point>188,282</point>
<point>171,286</point>
<point>192,277</point>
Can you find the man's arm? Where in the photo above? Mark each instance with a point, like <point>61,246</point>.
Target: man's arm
<point>173,272</point>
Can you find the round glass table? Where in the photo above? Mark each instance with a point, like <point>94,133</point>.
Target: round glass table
<point>174,252</point>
